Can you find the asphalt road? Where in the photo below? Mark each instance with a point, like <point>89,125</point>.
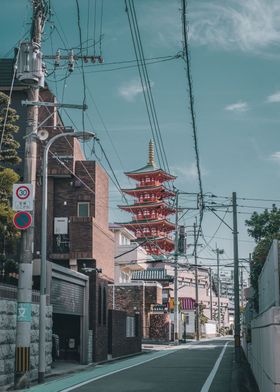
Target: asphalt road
<point>202,367</point>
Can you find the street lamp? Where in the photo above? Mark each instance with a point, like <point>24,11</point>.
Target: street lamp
<point>42,309</point>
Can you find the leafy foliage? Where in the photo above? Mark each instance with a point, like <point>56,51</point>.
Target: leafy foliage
<point>202,318</point>
<point>8,157</point>
<point>264,228</point>
<point>8,153</point>
<point>265,224</point>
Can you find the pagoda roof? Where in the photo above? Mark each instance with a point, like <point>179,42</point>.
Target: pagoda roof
<point>151,169</point>
<point>149,189</point>
<point>138,223</point>
<point>155,239</point>
<point>158,204</point>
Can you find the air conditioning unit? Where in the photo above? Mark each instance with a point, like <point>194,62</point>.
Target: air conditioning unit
<point>30,68</point>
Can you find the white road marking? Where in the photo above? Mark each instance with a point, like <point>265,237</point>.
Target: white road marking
<point>211,376</point>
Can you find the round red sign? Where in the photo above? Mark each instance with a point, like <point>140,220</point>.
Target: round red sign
<point>22,220</point>
<point>22,192</point>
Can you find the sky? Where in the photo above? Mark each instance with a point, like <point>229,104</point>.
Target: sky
<point>235,58</point>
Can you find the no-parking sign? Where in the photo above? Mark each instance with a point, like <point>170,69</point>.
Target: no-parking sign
<point>22,197</point>
<point>22,220</point>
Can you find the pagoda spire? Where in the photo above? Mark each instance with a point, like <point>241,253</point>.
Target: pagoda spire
<point>151,153</point>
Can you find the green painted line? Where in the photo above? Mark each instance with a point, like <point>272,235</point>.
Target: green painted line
<point>95,373</point>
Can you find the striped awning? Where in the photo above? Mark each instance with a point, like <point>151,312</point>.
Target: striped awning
<point>187,303</point>
<point>156,274</point>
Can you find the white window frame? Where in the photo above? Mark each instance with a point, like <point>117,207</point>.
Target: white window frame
<point>130,327</point>
<point>78,208</point>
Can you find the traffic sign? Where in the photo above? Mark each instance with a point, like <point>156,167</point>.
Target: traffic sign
<point>24,311</point>
<point>22,220</point>
<point>22,197</point>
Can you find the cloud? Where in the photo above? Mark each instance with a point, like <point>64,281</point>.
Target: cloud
<point>275,157</point>
<point>188,173</point>
<point>273,98</point>
<point>238,107</point>
<point>131,89</point>
<point>250,25</point>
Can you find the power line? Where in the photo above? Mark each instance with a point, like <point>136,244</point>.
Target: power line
<point>145,83</point>
<point>83,72</point>
<point>186,57</point>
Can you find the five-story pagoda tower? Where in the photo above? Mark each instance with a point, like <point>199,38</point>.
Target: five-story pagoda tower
<point>151,208</point>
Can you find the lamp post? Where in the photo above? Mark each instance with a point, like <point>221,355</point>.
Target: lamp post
<point>42,310</point>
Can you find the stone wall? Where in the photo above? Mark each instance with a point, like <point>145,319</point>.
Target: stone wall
<point>8,338</point>
<point>159,326</point>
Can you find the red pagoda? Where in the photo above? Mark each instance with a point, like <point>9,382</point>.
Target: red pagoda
<point>151,208</point>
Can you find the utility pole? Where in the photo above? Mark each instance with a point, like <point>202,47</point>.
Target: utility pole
<point>176,305</point>
<point>197,326</point>
<point>236,282</point>
<point>211,300</point>
<point>250,266</point>
<point>24,294</point>
<point>242,294</point>
<point>218,253</point>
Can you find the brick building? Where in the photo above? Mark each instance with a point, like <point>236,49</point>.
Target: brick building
<point>78,231</point>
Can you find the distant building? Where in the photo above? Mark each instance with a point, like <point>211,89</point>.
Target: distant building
<point>129,255</point>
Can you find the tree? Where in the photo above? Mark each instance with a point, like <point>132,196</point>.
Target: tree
<point>264,228</point>
<point>8,157</point>
<point>9,146</point>
<point>202,318</point>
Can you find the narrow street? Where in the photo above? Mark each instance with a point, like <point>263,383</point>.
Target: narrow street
<point>204,366</point>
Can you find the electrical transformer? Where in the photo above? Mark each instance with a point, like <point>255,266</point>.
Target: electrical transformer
<point>30,68</point>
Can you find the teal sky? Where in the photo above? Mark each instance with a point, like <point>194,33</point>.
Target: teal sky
<point>235,60</point>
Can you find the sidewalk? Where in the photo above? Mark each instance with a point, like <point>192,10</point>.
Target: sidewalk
<point>242,377</point>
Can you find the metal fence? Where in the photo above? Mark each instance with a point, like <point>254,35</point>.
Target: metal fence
<point>9,292</point>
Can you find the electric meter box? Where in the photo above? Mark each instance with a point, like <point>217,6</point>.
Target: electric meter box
<point>61,225</point>
<point>30,68</point>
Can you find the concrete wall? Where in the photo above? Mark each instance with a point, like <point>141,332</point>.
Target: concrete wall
<point>264,351</point>
<point>268,282</point>
<point>261,336</point>
<point>8,310</point>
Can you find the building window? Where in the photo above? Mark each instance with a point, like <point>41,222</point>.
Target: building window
<point>99,304</point>
<point>104,306</point>
<point>83,209</point>
<point>187,318</point>
<point>130,327</point>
